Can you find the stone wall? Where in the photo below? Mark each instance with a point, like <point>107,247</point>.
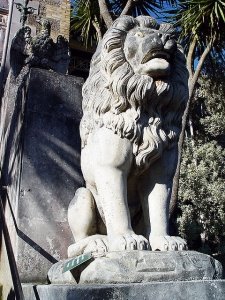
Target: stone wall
<point>41,168</point>
<point>57,12</point>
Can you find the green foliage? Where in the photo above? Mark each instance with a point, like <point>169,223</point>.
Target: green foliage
<point>201,20</point>
<point>83,13</point>
<point>201,218</point>
<point>205,17</point>
<point>210,98</point>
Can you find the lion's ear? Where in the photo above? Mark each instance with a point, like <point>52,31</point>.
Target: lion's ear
<point>147,21</point>
<point>167,27</point>
<point>124,23</point>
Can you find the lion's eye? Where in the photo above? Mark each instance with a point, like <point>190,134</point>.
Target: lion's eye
<point>139,34</point>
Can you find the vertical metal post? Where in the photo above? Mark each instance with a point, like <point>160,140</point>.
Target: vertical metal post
<point>6,42</point>
<point>12,262</point>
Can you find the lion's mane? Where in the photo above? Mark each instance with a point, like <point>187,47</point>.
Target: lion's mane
<point>148,112</point>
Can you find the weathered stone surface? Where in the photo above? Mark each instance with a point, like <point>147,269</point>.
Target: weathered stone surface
<point>55,274</point>
<point>133,102</point>
<point>50,171</point>
<point>39,51</point>
<point>179,290</point>
<point>142,266</point>
<point>41,166</point>
<point>146,266</point>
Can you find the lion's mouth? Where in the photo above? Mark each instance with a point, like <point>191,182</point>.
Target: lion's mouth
<point>156,54</point>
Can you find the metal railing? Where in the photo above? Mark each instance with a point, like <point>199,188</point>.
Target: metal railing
<point>9,249</point>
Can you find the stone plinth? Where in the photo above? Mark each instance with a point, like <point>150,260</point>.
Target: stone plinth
<point>139,267</point>
<point>178,290</point>
<point>50,170</point>
<point>43,146</point>
<point>146,266</point>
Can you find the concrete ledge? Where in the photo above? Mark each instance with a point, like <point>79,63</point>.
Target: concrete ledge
<point>177,290</point>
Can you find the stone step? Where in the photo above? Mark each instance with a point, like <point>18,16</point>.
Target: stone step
<point>177,290</point>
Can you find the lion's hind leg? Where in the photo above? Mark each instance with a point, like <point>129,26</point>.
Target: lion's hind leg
<point>82,214</point>
<point>83,223</point>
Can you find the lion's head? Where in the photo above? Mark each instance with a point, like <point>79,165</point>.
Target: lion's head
<point>137,87</point>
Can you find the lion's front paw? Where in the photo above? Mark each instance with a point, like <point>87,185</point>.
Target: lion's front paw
<point>99,245</point>
<point>128,242</point>
<point>167,243</point>
<point>93,243</point>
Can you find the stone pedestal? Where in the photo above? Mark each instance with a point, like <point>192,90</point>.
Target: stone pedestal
<point>177,290</point>
<point>137,275</point>
<point>147,266</point>
<point>42,168</point>
<point>50,171</point>
<point>139,267</point>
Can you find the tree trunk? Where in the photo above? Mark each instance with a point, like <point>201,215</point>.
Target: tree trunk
<point>190,57</point>
<point>98,30</point>
<point>127,7</point>
<point>190,121</point>
<point>191,85</point>
<point>105,13</point>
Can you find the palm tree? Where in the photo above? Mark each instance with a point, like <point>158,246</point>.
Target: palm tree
<point>86,20</point>
<point>201,24</point>
<point>91,18</point>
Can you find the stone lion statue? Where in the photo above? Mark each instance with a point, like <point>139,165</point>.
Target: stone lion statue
<point>133,103</point>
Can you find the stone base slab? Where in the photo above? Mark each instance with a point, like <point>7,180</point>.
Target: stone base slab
<point>177,290</point>
<point>140,267</point>
<point>147,266</point>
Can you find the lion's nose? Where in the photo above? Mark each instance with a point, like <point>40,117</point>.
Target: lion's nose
<point>164,37</point>
<point>153,42</point>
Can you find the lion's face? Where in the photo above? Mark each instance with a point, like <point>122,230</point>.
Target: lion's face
<point>150,51</point>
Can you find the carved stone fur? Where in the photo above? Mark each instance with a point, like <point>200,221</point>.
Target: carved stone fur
<point>133,101</point>
<point>144,109</point>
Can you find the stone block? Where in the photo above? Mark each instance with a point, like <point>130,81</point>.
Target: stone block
<point>178,290</point>
<point>50,172</point>
<point>147,266</point>
<point>139,267</point>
